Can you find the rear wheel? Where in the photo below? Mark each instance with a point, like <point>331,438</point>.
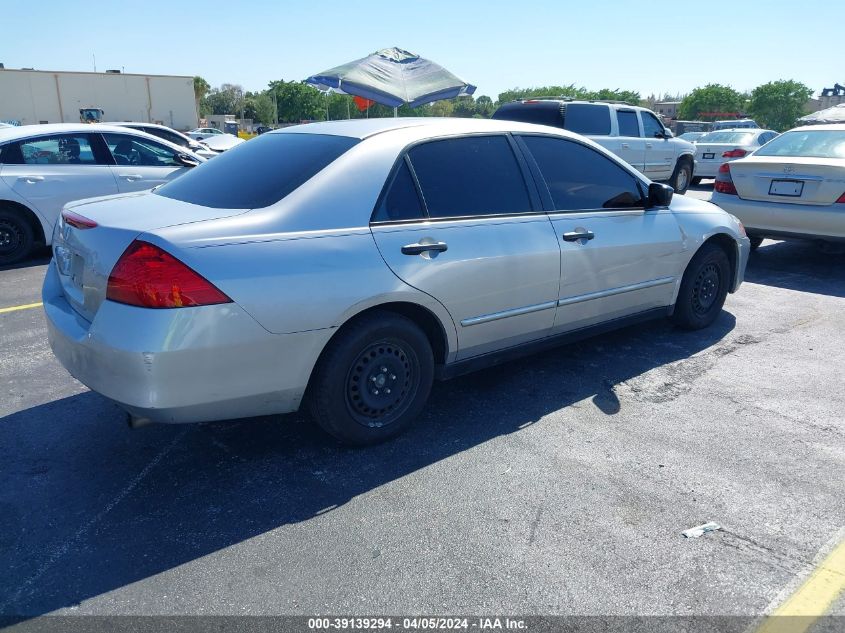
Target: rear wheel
<point>703,288</point>
<point>16,237</point>
<point>372,380</point>
<point>681,176</point>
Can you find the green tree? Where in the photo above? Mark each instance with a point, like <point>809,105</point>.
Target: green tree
<point>712,98</point>
<point>297,101</point>
<point>778,104</point>
<point>484,107</point>
<point>201,88</point>
<point>227,99</point>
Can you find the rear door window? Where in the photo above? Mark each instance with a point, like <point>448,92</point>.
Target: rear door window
<point>587,118</point>
<point>401,201</point>
<point>258,173</point>
<point>60,149</point>
<point>470,176</point>
<point>629,125</point>
<point>137,151</point>
<point>579,178</point>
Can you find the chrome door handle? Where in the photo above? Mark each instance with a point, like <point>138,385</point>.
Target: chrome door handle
<point>649,145</point>
<point>417,249</point>
<point>32,179</point>
<point>574,236</point>
<point>625,146</point>
<point>131,177</point>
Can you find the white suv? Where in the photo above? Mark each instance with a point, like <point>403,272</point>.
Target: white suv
<point>634,134</point>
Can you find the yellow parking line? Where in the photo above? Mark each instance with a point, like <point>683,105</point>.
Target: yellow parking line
<point>23,307</point>
<point>812,599</point>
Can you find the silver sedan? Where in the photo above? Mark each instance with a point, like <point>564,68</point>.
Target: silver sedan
<point>722,146</point>
<point>344,266</point>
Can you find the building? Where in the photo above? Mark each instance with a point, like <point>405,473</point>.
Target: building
<point>668,109</point>
<point>38,96</point>
<point>830,97</point>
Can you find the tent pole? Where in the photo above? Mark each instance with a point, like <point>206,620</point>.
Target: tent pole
<point>395,112</point>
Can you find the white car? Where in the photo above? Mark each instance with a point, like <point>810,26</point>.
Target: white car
<point>201,133</point>
<point>169,134</point>
<point>220,143</point>
<point>43,167</point>
<point>715,148</point>
<point>791,188</point>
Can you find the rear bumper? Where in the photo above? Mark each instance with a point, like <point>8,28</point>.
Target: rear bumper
<point>183,365</point>
<point>707,168</point>
<point>773,219</point>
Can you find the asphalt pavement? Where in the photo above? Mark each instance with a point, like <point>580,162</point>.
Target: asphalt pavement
<point>557,484</point>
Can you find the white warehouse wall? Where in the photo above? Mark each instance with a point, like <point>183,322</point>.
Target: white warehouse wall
<point>35,96</point>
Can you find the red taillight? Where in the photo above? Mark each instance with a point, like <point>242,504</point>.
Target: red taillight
<point>734,153</point>
<point>724,183</point>
<point>78,221</point>
<point>149,277</point>
<point>841,199</point>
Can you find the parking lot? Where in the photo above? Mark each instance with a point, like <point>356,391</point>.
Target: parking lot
<point>557,484</point>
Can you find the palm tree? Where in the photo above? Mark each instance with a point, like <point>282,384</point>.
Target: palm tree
<point>201,88</point>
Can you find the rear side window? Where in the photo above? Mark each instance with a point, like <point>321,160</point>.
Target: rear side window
<point>628,123</point>
<point>475,175</point>
<point>401,200</point>
<point>580,178</point>
<point>134,150</point>
<point>258,173</point>
<point>587,118</point>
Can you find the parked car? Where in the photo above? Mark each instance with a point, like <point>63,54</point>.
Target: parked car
<point>43,167</point>
<point>634,134</point>
<point>261,129</point>
<point>716,148</point>
<point>791,188</point>
<point>437,247</point>
<point>734,124</point>
<point>168,134</point>
<point>691,137</point>
<point>221,142</point>
<point>201,133</point>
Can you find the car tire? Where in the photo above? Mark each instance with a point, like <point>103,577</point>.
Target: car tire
<point>372,380</point>
<point>16,237</point>
<point>681,177</point>
<point>696,181</point>
<point>755,242</point>
<point>704,287</point>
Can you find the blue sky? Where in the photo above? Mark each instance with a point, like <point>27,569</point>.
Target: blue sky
<point>651,47</point>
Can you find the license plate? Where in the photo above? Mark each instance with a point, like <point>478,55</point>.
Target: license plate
<point>789,188</point>
<point>708,155</point>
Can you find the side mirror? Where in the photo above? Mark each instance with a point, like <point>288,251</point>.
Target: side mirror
<point>185,160</point>
<point>659,195</point>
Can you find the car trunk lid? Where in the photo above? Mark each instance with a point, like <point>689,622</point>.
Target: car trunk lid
<point>85,256</point>
<point>789,180</point>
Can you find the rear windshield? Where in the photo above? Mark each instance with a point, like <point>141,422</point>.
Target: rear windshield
<point>809,143</point>
<point>257,173</point>
<point>737,138</point>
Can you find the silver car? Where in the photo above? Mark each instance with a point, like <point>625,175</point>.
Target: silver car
<point>344,266</point>
<point>714,149</point>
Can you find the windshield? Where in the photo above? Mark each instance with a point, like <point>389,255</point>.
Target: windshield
<point>259,172</point>
<point>737,138</point>
<point>808,143</point>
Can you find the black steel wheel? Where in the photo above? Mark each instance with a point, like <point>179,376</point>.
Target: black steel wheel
<point>16,238</point>
<point>704,288</point>
<point>372,380</point>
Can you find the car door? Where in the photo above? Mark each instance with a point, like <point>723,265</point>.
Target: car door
<point>617,257</point>
<point>631,143</point>
<point>460,222</point>
<point>141,163</point>
<point>659,151</point>
<point>51,170</point>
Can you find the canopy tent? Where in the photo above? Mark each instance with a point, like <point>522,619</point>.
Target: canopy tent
<point>393,77</point>
<point>836,114</point>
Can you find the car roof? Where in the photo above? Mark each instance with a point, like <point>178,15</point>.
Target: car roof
<point>422,127</point>
<point>25,131</point>
<point>827,127</point>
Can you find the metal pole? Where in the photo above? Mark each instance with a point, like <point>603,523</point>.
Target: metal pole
<point>395,112</point>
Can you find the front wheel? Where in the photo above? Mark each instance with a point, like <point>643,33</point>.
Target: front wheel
<point>704,288</point>
<point>372,380</point>
<point>681,177</point>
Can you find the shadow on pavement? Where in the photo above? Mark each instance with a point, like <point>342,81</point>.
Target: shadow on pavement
<point>89,506</point>
<point>40,257</point>
<point>802,266</point>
